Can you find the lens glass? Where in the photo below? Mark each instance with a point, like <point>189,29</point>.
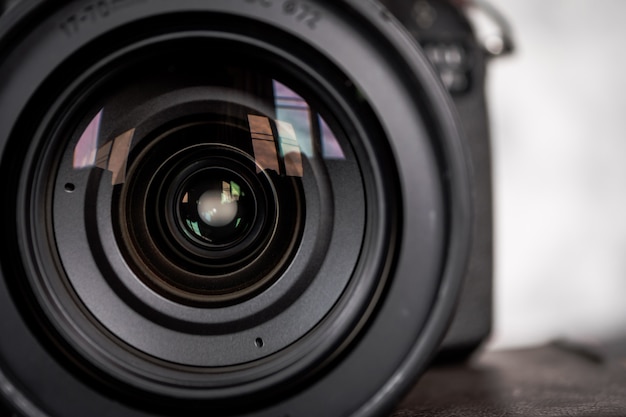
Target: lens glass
<point>216,207</point>
<point>209,175</point>
<point>215,203</point>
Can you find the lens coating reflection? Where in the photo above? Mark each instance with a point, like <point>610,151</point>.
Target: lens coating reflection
<point>217,207</point>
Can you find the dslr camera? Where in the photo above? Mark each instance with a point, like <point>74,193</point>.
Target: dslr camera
<point>268,208</point>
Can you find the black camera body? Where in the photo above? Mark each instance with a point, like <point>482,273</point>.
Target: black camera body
<point>239,207</point>
<point>451,44</point>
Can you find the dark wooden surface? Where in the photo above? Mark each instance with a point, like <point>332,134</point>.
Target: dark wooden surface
<point>557,380</point>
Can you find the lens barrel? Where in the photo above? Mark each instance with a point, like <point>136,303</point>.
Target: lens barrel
<point>254,208</point>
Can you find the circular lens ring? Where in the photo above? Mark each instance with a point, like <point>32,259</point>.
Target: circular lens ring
<point>219,270</point>
<point>321,263</point>
<point>166,197</point>
<point>161,193</point>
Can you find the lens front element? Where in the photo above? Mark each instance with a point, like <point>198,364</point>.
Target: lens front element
<point>219,203</point>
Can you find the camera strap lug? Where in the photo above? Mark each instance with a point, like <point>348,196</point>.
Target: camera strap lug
<point>492,29</point>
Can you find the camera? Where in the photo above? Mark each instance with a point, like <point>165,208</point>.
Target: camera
<point>276,208</point>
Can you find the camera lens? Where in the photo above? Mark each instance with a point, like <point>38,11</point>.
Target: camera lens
<point>212,207</point>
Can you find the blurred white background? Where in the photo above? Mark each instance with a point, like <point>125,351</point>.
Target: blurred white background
<point>558,115</point>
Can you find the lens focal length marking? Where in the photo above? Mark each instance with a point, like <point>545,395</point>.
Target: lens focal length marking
<point>92,13</point>
<point>301,11</point>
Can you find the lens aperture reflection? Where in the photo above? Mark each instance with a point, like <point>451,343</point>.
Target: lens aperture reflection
<point>216,207</point>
